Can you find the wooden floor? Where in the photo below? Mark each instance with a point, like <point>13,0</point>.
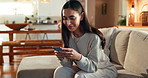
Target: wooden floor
<point>9,70</point>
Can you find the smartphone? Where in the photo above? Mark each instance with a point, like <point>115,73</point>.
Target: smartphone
<point>57,48</point>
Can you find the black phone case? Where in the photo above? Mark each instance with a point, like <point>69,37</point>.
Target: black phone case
<point>57,48</point>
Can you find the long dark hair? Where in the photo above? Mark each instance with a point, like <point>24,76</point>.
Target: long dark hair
<point>76,5</point>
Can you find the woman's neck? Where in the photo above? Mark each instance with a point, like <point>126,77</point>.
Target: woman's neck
<point>78,33</point>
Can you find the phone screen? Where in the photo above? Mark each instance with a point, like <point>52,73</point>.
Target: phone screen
<point>57,48</point>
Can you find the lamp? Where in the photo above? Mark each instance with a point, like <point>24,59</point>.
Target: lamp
<point>44,1</point>
<point>131,16</point>
<point>132,9</point>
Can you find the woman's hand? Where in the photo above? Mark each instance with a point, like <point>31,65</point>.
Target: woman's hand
<point>72,54</point>
<point>59,55</point>
<point>68,53</point>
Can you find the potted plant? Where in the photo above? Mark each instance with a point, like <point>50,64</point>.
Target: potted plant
<point>48,19</point>
<point>122,22</point>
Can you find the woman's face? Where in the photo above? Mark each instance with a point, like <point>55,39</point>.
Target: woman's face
<point>71,19</point>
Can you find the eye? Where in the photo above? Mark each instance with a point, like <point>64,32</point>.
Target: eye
<point>72,18</point>
<point>64,18</point>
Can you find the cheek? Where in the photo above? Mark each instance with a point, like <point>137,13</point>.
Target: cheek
<point>74,23</point>
<point>64,22</point>
<point>77,23</point>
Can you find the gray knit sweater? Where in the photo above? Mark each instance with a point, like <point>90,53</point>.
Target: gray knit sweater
<point>93,56</point>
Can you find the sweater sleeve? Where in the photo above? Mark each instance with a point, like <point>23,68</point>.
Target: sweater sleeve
<point>95,59</point>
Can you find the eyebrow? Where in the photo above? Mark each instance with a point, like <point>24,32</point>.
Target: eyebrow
<point>70,16</point>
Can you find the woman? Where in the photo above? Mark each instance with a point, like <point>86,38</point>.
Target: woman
<point>83,55</point>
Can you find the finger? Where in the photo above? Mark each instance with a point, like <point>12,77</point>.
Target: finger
<point>55,51</point>
<point>67,49</point>
<point>60,59</point>
<point>68,54</point>
<point>60,55</point>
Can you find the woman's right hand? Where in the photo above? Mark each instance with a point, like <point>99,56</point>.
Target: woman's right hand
<point>59,54</point>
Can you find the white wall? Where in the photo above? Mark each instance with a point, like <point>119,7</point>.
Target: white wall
<point>10,18</point>
<point>53,8</point>
<point>6,0</point>
<point>123,7</point>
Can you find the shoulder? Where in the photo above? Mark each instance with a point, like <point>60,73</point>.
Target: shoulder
<point>94,40</point>
<point>93,36</point>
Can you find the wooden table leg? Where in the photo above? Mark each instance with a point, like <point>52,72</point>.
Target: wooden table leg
<point>10,36</point>
<point>1,55</point>
<point>11,54</point>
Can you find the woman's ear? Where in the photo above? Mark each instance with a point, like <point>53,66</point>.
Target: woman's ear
<point>82,16</point>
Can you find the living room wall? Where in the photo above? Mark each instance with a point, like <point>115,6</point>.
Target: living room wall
<point>108,18</point>
<point>98,18</point>
<point>91,12</point>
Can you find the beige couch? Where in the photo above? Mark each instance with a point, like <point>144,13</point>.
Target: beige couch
<point>127,49</point>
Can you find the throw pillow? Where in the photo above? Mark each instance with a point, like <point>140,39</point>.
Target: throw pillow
<point>119,46</point>
<point>108,34</point>
<point>136,59</point>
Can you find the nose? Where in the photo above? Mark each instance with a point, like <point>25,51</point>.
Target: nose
<point>68,22</point>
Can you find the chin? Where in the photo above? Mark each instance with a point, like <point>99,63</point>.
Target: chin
<point>71,30</point>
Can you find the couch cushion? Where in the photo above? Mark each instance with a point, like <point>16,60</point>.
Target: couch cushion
<point>119,46</point>
<point>108,34</point>
<point>37,67</point>
<point>122,73</point>
<point>126,74</point>
<point>118,66</point>
<point>136,59</point>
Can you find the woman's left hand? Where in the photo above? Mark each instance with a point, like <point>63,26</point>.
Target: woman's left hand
<point>72,54</point>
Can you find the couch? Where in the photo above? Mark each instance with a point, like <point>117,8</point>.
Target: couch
<point>127,49</point>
